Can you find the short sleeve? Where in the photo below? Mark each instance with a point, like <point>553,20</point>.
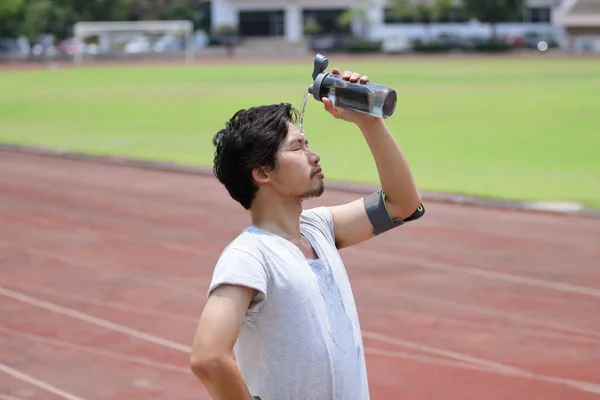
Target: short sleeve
<point>238,267</point>
<point>320,218</point>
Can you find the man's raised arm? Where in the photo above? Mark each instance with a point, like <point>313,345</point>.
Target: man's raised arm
<point>399,200</point>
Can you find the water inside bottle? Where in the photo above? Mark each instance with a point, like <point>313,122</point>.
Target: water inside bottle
<point>302,110</point>
<point>379,104</point>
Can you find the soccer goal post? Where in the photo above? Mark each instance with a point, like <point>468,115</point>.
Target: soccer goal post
<point>107,31</point>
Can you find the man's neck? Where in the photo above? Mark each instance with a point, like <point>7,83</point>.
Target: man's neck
<point>279,217</point>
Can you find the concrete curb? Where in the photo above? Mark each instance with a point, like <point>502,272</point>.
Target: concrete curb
<point>574,209</point>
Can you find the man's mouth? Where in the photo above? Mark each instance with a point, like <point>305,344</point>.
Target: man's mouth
<point>317,171</point>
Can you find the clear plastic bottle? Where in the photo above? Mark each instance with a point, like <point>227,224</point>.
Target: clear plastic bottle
<point>368,98</point>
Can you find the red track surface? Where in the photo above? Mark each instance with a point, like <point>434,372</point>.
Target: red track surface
<point>104,270</point>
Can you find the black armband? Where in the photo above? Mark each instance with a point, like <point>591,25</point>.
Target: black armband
<point>376,209</point>
<point>417,214</point>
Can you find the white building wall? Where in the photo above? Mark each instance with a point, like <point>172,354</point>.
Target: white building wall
<point>380,30</point>
<point>226,12</point>
<point>468,29</point>
<point>223,13</point>
<point>293,22</point>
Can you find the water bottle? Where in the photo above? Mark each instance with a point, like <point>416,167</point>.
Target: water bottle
<point>369,98</point>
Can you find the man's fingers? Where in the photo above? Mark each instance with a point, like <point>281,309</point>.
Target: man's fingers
<point>354,77</point>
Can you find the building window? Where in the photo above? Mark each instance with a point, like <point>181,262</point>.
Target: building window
<point>537,15</point>
<point>326,19</point>
<point>261,23</point>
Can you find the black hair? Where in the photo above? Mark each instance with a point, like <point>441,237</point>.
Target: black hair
<point>250,139</point>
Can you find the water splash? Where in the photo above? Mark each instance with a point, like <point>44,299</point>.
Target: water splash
<point>302,110</point>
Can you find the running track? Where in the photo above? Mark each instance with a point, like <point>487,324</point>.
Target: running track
<point>104,270</point>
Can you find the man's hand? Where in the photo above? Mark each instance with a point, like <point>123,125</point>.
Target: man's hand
<point>357,118</point>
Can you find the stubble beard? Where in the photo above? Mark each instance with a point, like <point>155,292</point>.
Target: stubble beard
<point>314,191</point>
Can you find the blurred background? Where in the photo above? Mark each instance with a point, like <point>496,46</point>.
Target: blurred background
<point>44,29</point>
<point>503,93</point>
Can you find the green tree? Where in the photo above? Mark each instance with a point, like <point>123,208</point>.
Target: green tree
<point>99,10</point>
<point>312,27</point>
<point>357,14</point>
<point>10,11</point>
<point>494,11</point>
<point>185,10</point>
<point>146,10</point>
<point>432,12</point>
<point>441,9</point>
<point>228,36</point>
<point>10,7</point>
<point>402,9</point>
<point>33,17</point>
<point>426,11</point>
<point>57,17</point>
<point>45,16</point>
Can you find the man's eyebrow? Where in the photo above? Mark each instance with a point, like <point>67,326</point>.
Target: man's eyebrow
<point>299,141</point>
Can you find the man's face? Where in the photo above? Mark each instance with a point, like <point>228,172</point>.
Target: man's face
<point>298,173</point>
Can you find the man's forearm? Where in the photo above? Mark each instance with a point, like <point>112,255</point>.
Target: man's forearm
<point>222,379</point>
<point>402,194</point>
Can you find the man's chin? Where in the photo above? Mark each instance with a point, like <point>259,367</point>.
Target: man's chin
<point>314,191</point>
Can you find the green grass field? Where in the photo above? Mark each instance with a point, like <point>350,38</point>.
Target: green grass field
<point>522,129</point>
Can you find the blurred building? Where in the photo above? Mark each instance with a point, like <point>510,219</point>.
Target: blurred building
<point>288,19</point>
<point>581,24</point>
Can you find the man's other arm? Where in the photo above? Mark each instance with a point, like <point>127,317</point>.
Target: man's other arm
<point>218,329</point>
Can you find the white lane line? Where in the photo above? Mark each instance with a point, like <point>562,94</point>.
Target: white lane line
<point>501,276</point>
<point>103,303</point>
<point>92,350</point>
<point>69,262</point>
<point>425,359</point>
<point>94,320</point>
<point>490,326</point>
<point>492,365</point>
<point>7,397</point>
<point>39,383</point>
<point>470,309</point>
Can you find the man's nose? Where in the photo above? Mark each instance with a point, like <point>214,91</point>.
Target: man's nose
<point>313,157</point>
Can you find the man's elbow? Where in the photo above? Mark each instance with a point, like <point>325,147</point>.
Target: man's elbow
<point>205,365</point>
<point>412,211</point>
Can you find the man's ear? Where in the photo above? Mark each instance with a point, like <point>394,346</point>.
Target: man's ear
<point>261,175</point>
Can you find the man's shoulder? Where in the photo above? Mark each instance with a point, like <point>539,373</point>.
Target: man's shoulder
<point>315,214</point>
<point>318,218</point>
<point>247,241</point>
<point>251,242</point>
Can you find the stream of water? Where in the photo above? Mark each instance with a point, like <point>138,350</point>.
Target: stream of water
<point>302,110</point>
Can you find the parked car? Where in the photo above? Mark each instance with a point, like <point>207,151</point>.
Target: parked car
<point>536,40</point>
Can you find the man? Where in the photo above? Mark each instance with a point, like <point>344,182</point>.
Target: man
<point>280,297</point>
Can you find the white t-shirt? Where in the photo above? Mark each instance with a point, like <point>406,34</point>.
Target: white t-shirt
<point>301,338</point>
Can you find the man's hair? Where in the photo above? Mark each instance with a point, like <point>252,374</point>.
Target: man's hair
<point>250,139</point>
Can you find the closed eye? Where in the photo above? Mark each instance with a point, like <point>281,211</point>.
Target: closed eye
<point>299,144</point>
